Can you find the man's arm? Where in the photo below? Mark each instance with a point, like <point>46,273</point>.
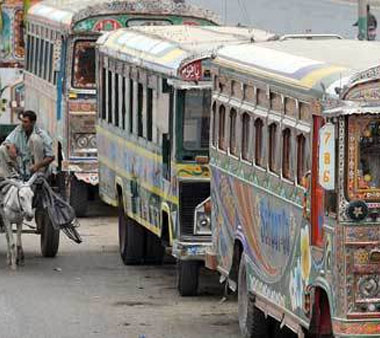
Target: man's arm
<point>48,152</point>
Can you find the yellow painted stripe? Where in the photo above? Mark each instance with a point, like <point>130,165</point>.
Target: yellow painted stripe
<point>307,82</point>
<point>312,78</point>
<point>141,151</point>
<point>146,185</point>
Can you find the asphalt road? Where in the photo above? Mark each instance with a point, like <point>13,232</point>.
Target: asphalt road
<point>86,291</point>
<point>289,16</point>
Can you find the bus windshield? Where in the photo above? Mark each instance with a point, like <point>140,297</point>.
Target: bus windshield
<point>364,157</point>
<point>84,64</point>
<point>196,119</point>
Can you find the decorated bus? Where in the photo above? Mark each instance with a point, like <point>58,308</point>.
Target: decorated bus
<point>153,139</point>
<point>60,73</point>
<point>11,62</point>
<point>295,190</point>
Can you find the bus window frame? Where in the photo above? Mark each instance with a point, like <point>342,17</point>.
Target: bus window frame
<point>71,43</point>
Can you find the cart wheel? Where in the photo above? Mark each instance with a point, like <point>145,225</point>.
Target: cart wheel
<point>252,321</point>
<point>49,235</point>
<point>155,251</point>
<point>131,238</point>
<point>78,196</point>
<point>188,277</point>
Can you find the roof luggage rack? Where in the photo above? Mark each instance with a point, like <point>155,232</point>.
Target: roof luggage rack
<point>309,36</point>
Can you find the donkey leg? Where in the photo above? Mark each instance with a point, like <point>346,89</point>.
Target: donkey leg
<point>20,252</point>
<point>11,253</point>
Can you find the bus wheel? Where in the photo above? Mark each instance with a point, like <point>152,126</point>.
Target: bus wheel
<point>252,321</point>
<point>131,239</point>
<point>187,277</point>
<point>78,196</point>
<point>49,236</point>
<point>155,251</point>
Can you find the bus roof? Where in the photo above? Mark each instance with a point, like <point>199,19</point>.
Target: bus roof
<point>64,14</point>
<point>167,49</point>
<point>317,66</point>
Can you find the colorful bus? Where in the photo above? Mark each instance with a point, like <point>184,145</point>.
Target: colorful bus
<point>153,138</point>
<point>11,62</point>
<point>60,73</point>
<point>295,190</point>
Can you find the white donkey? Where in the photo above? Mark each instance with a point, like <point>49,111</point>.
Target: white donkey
<point>16,204</point>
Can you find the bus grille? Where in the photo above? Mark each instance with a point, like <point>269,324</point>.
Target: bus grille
<point>190,195</point>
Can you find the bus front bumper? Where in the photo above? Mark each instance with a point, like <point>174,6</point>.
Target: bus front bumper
<point>191,250</point>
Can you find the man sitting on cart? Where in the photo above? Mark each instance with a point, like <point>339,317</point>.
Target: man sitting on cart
<point>34,145</point>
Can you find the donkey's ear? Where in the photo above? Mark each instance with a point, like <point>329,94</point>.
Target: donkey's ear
<point>32,179</point>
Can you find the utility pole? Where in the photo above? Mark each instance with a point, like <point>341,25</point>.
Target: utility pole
<point>363,19</point>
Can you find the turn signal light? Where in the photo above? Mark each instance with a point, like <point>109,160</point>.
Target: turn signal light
<point>201,159</point>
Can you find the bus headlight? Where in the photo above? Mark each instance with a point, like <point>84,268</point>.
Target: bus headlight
<point>81,141</point>
<point>92,141</point>
<point>202,219</point>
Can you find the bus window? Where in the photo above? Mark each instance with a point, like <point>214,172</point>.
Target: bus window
<point>222,123</point>
<point>140,100</point>
<point>41,56</point>
<point>259,142</point>
<point>103,94</point>
<point>272,148</point>
<point>301,165</point>
<point>131,100</point>
<point>84,65</point>
<point>246,136</point>
<point>28,53</point>
<point>196,119</point>
<point>149,114</point>
<point>51,53</point>
<point>233,147</point>
<point>286,154</point>
<point>116,98</point>
<point>46,60</point>
<point>36,55</point>
<point>123,103</point>
<point>109,97</point>
<point>214,124</point>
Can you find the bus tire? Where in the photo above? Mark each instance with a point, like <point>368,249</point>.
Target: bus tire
<point>49,236</point>
<point>252,321</point>
<point>131,238</point>
<point>78,195</point>
<point>155,251</point>
<point>188,277</point>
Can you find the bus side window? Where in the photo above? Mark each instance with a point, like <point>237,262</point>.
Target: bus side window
<point>103,93</point>
<point>123,102</point>
<point>272,158</point>
<point>149,114</point>
<point>41,58</point>
<point>140,107</point>
<point>109,97</point>
<point>246,137</point>
<point>116,100</point>
<point>259,142</point>
<point>287,171</point>
<point>301,159</point>
<point>233,144</point>
<point>221,129</point>
<point>28,53</point>
<point>213,124</point>
<point>51,54</point>
<point>131,104</point>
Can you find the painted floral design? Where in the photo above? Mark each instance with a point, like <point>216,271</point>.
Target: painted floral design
<point>296,286</point>
<point>305,254</point>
